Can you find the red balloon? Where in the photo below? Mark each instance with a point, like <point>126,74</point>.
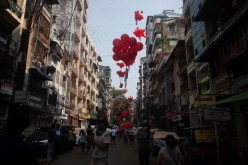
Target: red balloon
<point>117,42</point>
<point>115,57</point>
<point>123,56</point>
<point>124,38</point>
<point>116,49</point>
<point>124,47</point>
<point>132,52</point>
<point>139,46</point>
<point>132,41</point>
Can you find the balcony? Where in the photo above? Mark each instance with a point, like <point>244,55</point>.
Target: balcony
<point>86,2</point>
<point>78,19</point>
<point>80,5</point>
<point>206,9</point>
<point>10,15</point>
<point>76,51</point>
<point>81,76</point>
<point>28,98</point>
<point>83,46</point>
<point>55,50</point>
<point>4,47</point>
<point>84,30</point>
<point>80,94</point>
<point>85,17</point>
<point>82,61</point>
<point>157,53</point>
<point>73,90</point>
<point>76,34</point>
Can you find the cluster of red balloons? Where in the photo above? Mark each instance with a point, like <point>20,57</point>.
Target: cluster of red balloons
<point>121,73</point>
<point>130,98</point>
<point>120,64</point>
<point>126,49</point>
<point>139,33</point>
<point>126,125</point>
<point>138,16</point>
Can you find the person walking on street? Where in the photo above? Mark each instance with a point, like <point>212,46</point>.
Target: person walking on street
<point>82,140</point>
<point>71,139</point>
<point>50,148</point>
<point>170,154</point>
<point>90,133</point>
<point>101,140</point>
<point>14,150</point>
<point>143,147</point>
<point>57,140</point>
<point>113,134</point>
<point>126,136</point>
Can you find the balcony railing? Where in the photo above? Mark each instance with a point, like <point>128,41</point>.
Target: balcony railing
<point>4,47</point>
<point>15,9</point>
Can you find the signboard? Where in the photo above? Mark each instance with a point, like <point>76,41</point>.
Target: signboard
<point>202,100</point>
<point>204,135</point>
<point>21,97</point>
<point>6,89</point>
<point>217,114</point>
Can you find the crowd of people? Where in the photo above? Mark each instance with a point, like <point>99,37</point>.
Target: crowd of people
<point>14,149</point>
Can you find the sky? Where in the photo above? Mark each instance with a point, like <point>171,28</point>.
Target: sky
<point>109,19</point>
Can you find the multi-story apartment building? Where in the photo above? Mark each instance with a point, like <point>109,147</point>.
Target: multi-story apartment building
<point>11,18</point>
<point>105,91</point>
<point>70,29</point>
<point>222,48</point>
<point>34,72</point>
<point>105,76</point>
<point>163,32</point>
<point>57,63</point>
<point>140,111</point>
<point>205,77</point>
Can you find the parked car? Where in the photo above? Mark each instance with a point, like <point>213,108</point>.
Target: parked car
<point>39,139</point>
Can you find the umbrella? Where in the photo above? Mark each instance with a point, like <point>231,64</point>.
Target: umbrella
<point>163,134</point>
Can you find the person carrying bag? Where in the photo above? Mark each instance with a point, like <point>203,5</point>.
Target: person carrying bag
<point>170,154</point>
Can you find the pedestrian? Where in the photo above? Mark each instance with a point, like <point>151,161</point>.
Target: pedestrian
<point>71,139</point>
<point>57,140</point>
<point>113,134</point>
<point>131,137</point>
<point>14,150</point>
<point>125,136</point>
<point>120,132</point>
<point>90,133</point>
<point>82,140</point>
<point>170,154</point>
<point>143,146</point>
<point>50,148</point>
<point>101,140</point>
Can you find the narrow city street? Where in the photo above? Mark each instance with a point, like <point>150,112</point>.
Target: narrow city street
<point>119,154</point>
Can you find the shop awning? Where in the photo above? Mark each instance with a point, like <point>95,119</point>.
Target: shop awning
<point>238,97</point>
<point>40,74</point>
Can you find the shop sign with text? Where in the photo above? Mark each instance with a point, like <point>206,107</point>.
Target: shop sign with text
<point>203,100</point>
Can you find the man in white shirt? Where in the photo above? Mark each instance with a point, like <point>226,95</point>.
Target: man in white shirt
<point>113,134</point>
<point>101,141</point>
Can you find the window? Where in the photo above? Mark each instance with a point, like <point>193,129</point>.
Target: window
<point>172,27</point>
<point>173,42</point>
